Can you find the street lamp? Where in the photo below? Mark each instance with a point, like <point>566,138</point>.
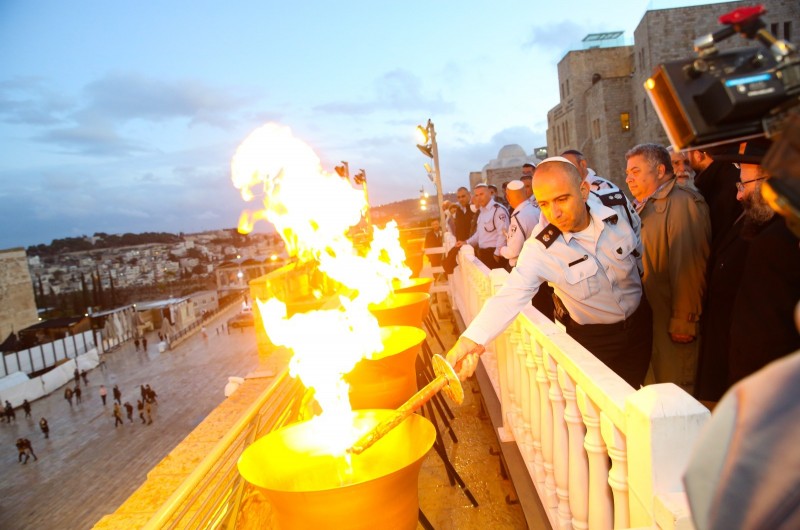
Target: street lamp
<point>361,178</point>
<point>429,148</point>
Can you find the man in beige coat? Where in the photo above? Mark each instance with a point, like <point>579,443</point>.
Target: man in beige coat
<point>676,234</point>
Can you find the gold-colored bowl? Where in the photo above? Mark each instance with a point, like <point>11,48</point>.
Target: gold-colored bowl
<point>402,309</point>
<point>413,285</point>
<point>389,378</point>
<point>309,488</point>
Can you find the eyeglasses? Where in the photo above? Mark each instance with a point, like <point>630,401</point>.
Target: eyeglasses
<point>740,184</point>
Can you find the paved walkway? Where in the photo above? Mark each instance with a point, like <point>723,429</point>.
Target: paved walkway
<point>88,467</point>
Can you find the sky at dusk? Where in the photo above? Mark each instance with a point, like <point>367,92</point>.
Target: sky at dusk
<point>123,116</point>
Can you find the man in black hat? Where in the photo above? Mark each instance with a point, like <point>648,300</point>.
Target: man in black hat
<point>754,284</point>
<point>715,179</point>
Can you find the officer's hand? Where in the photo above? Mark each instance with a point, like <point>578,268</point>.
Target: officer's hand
<point>496,258</point>
<point>459,244</point>
<point>464,357</point>
<point>681,339</point>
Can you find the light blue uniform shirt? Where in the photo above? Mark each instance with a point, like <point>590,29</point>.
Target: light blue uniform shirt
<point>491,227</point>
<point>598,285</point>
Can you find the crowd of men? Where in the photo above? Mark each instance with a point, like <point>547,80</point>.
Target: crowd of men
<point>693,282</point>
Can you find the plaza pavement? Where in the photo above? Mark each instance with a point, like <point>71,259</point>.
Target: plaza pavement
<point>88,467</point>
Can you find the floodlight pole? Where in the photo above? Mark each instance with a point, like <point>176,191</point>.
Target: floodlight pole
<point>437,176</point>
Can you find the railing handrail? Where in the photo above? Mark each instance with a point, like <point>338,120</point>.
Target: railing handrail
<point>195,478</point>
<point>551,389</point>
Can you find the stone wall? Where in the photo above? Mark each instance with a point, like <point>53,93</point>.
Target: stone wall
<point>17,302</point>
<point>606,102</point>
<point>578,72</point>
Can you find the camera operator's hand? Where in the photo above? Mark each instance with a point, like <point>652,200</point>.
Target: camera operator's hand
<point>468,352</point>
<point>681,339</point>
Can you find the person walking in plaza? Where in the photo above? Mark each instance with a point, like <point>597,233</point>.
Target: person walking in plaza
<point>140,408</point>
<point>26,406</point>
<point>76,375</point>
<point>148,410</point>
<point>150,395</point>
<point>22,451</point>
<point>117,415</point>
<point>129,410</point>
<point>84,377</point>
<point>589,254</point>
<point>103,394</point>
<point>29,447</point>
<point>143,392</point>
<point>10,414</point>
<point>44,427</point>
<point>68,395</point>
<point>77,394</point>
<point>117,394</point>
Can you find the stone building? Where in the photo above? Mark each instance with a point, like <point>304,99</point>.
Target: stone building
<point>603,109</point>
<point>17,301</point>
<point>506,167</point>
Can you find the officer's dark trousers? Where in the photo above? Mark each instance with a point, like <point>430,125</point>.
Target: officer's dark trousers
<point>486,255</point>
<point>625,347</point>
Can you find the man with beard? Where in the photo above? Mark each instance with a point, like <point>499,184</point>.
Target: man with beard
<point>762,329</point>
<point>752,286</point>
<point>684,173</point>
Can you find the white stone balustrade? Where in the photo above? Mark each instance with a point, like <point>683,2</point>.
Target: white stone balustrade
<point>601,454</point>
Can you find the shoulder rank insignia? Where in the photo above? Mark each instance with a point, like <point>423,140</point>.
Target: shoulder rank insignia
<point>548,235</point>
<point>612,199</point>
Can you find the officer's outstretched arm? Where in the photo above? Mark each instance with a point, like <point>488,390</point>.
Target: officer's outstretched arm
<point>463,356</point>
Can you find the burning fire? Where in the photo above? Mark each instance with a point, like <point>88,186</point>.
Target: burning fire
<point>313,210</point>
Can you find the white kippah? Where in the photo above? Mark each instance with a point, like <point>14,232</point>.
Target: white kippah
<point>555,159</point>
<point>515,185</point>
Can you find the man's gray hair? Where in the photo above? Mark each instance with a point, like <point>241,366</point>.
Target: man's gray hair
<point>655,154</point>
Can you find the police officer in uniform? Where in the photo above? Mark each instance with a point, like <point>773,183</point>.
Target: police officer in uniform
<point>605,190</point>
<point>491,227</point>
<point>523,220</point>
<point>590,255</point>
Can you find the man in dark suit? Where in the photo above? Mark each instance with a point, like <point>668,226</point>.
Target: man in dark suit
<point>464,215</point>
<point>758,276</point>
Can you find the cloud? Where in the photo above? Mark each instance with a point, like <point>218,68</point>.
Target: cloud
<point>100,120</point>
<point>123,97</point>
<point>398,90</point>
<point>27,100</point>
<point>91,139</point>
<point>557,37</point>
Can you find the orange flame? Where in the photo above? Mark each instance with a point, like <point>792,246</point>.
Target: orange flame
<point>313,211</point>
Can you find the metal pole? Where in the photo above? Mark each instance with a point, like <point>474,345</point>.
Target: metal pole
<point>437,174</point>
<point>366,197</point>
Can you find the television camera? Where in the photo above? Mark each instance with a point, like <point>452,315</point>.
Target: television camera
<point>720,97</point>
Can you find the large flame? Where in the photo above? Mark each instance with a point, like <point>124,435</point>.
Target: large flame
<point>313,210</point>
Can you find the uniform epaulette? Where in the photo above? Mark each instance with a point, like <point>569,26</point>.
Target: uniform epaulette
<point>548,235</point>
<point>616,198</point>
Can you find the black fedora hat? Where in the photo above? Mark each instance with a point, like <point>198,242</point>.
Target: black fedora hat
<point>749,152</point>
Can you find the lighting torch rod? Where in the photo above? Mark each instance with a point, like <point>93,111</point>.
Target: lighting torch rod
<point>446,380</point>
